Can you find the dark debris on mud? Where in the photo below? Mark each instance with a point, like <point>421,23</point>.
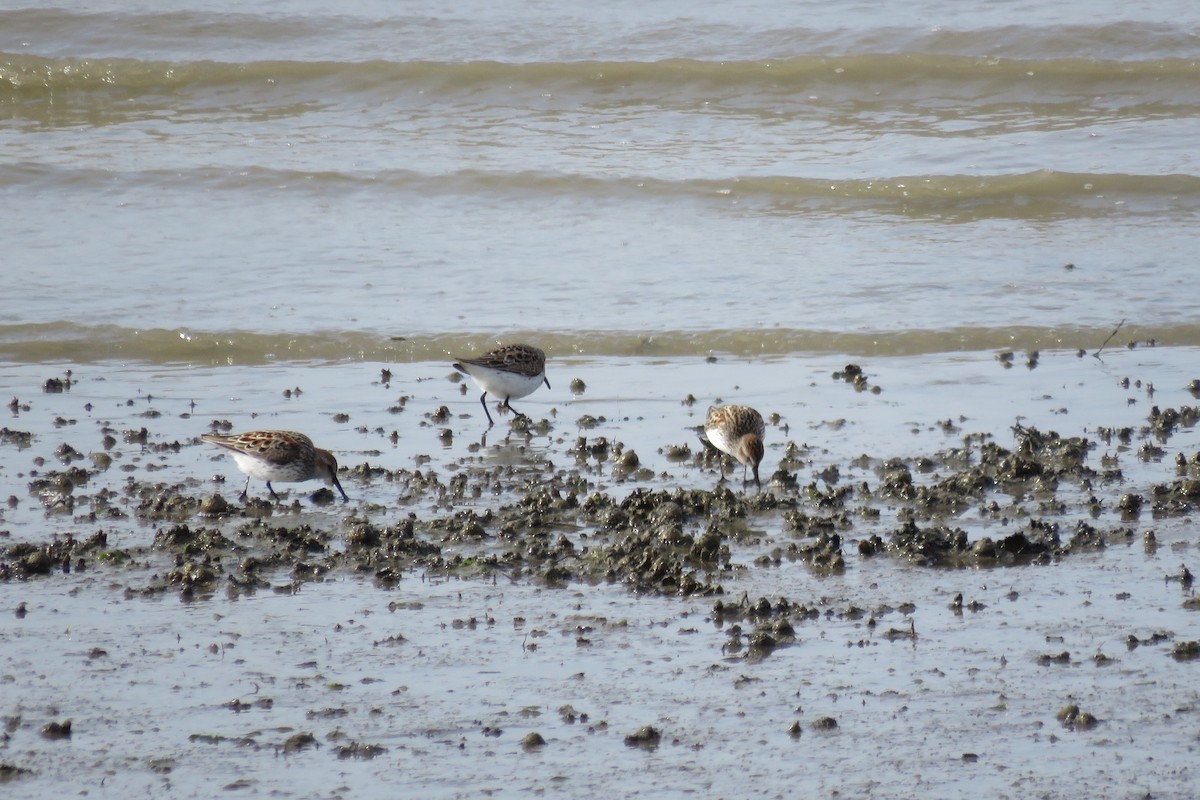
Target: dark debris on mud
<point>558,529</point>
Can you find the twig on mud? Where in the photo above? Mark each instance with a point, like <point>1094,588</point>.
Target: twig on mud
<point>1109,339</point>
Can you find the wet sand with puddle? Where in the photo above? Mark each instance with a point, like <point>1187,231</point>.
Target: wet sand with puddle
<point>973,581</point>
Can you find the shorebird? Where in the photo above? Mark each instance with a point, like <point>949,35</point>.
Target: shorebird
<point>512,371</point>
<point>278,456</point>
<point>738,431</point>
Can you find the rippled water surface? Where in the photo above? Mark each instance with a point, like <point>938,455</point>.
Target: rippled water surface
<point>521,167</point>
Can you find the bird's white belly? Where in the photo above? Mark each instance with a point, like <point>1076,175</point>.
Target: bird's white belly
<point>723,441</point>
<point>257,468</point>
<point>505,384</point>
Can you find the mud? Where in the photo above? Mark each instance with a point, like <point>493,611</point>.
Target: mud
<point>559,530</point>
<point>604,554</point>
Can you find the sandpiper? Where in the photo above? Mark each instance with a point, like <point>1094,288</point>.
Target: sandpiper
<point>512,371</point>
<point>278,456</point>
<point>738,431</point>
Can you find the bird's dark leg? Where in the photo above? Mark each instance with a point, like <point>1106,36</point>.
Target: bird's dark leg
<point>483,402</point>
<point>245,495</point>
<point>274,496</point>
<point>510,408</point>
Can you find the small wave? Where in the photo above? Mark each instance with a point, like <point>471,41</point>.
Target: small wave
<point>1041,194</point>
<point>365,33</point>
<point>1171,80</point>
<point>71,343</point>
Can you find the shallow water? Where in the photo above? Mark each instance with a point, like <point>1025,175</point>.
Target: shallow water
<point>643,403</point>
<point>150,713</point>
<point>212,173</point>
<point>965,708</point>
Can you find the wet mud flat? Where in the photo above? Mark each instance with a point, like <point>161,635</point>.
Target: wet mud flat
<point>965,575</point>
